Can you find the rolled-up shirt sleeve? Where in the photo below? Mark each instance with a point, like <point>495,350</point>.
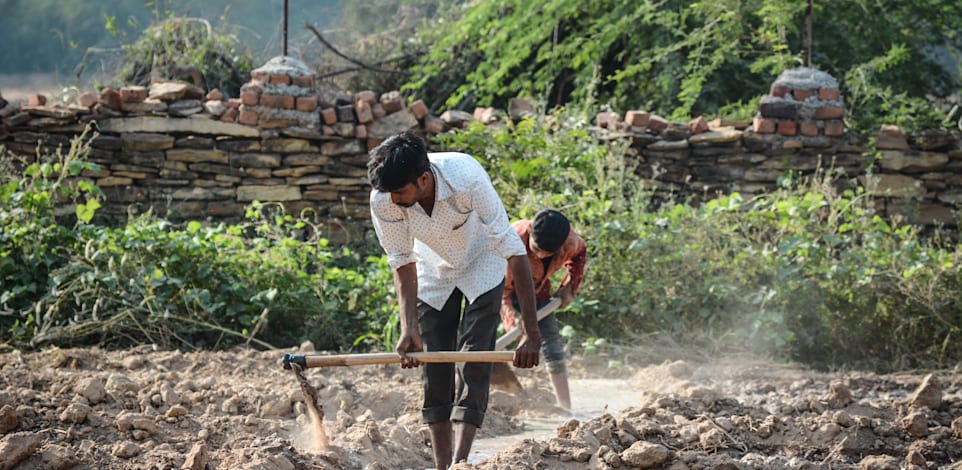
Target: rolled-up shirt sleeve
<point>392,230</point>
<point>502,239</point>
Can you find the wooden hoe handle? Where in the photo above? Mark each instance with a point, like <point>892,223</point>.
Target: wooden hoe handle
<point>515,332</point>
<point>316,360</point>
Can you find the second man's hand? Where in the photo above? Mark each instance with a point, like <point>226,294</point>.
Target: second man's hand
<point>528,353</point>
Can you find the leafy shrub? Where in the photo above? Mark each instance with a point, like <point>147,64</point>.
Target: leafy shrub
<point>175,46</point>
<point>804,273</point>
<point>260,282</point>
<point>209,287</point>
<point>33,241</point>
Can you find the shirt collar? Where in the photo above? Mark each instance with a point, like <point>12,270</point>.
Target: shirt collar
<point>442,189</point>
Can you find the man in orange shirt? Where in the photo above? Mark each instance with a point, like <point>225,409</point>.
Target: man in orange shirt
<point>551,244</point>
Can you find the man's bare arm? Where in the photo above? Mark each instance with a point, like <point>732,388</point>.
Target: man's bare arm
<point>406,287</point>
<point>527,354</point>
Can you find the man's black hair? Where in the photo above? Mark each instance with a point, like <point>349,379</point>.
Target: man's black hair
<point>399,160</point>
<point>550,229</point>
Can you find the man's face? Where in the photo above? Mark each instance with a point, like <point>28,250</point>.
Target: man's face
<point>406,196</point>
<point>536,250</point>
<point>411,193</point>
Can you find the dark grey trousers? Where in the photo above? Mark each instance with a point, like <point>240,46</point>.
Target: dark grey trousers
<point>450,330</point>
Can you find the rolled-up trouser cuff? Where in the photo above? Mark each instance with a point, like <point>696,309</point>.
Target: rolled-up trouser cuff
<point>436,414</point>
<point>467,415</point>
<point>556,367</point>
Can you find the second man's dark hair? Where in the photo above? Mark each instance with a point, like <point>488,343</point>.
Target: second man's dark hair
<point>550,230</point>
<point>399,160</point>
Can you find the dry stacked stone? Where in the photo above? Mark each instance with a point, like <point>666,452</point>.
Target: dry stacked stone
<point>802,102</point>
<point>188,153</point>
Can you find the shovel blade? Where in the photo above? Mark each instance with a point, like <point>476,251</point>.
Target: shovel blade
<point>503,378</point>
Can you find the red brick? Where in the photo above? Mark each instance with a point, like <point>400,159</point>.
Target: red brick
<point>419,109</point>
<point>808,129</point>
<point>363,110</point>
<point>87,100</point>
<point>828,94</point>
<point>133,94</point>
<point>763,126</point>
<point>606,119</point>
<point>378,111</point>
<point>486,115</point>
<point>392,101</point>
<point>215,95</point>
<point>36,100</point>
<point>834,128</point>
<point>250,97</point>
<point>306,103</point>
<point>433,125</point>
<point>277,101</point>
<point>329,115</point>
<point>360,131</point>
<point>280,80</point>
<point>657,123</point>
<point>801,95</point>
<point>230,115</point>
<point>260,77</point>
<point>234,103</point>
<point>779,90</point>
<point>366,96</point>
<point>304,81</point>
<point>787,128</point>
<point>247,116</point>
<point>829,112</point>
<point>327,130</point>
<point>697,125</point>
<point>110,98</point>
<point>636,118</point>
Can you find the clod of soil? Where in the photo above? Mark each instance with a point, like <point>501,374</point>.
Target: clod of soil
<point>146,409</point>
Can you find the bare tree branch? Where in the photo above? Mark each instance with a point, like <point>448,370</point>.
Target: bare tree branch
<point>380,62</point>
<point>340,54</point>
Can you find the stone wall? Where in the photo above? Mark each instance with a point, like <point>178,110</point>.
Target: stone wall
<point>187,153</point>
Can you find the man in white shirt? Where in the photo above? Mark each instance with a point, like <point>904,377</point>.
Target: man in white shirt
<point>449,242</point>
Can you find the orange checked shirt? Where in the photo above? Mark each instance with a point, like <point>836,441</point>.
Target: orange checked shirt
<point>572,256</point>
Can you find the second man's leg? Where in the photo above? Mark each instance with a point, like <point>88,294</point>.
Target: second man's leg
<point>553,353</point>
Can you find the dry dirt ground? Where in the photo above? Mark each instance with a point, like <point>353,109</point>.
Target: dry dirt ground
<point>145,409</point>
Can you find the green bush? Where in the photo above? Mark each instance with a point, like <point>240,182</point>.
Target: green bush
<point>804,273</point>
<point>263,282</point>
<point>175,46</point>
<point>33,241</point>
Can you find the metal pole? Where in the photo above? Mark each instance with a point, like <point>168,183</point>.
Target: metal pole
<point>807,41</point>
<point>285,28</point>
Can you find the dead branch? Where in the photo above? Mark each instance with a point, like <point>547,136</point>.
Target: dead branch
<point>340,54</point>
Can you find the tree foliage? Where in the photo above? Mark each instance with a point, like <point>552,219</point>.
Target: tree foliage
<point>683,58</point>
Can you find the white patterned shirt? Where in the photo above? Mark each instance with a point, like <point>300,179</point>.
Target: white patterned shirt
<point>464,243</point>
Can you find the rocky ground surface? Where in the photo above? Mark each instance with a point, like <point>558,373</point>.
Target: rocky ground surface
<point>146,409</point>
